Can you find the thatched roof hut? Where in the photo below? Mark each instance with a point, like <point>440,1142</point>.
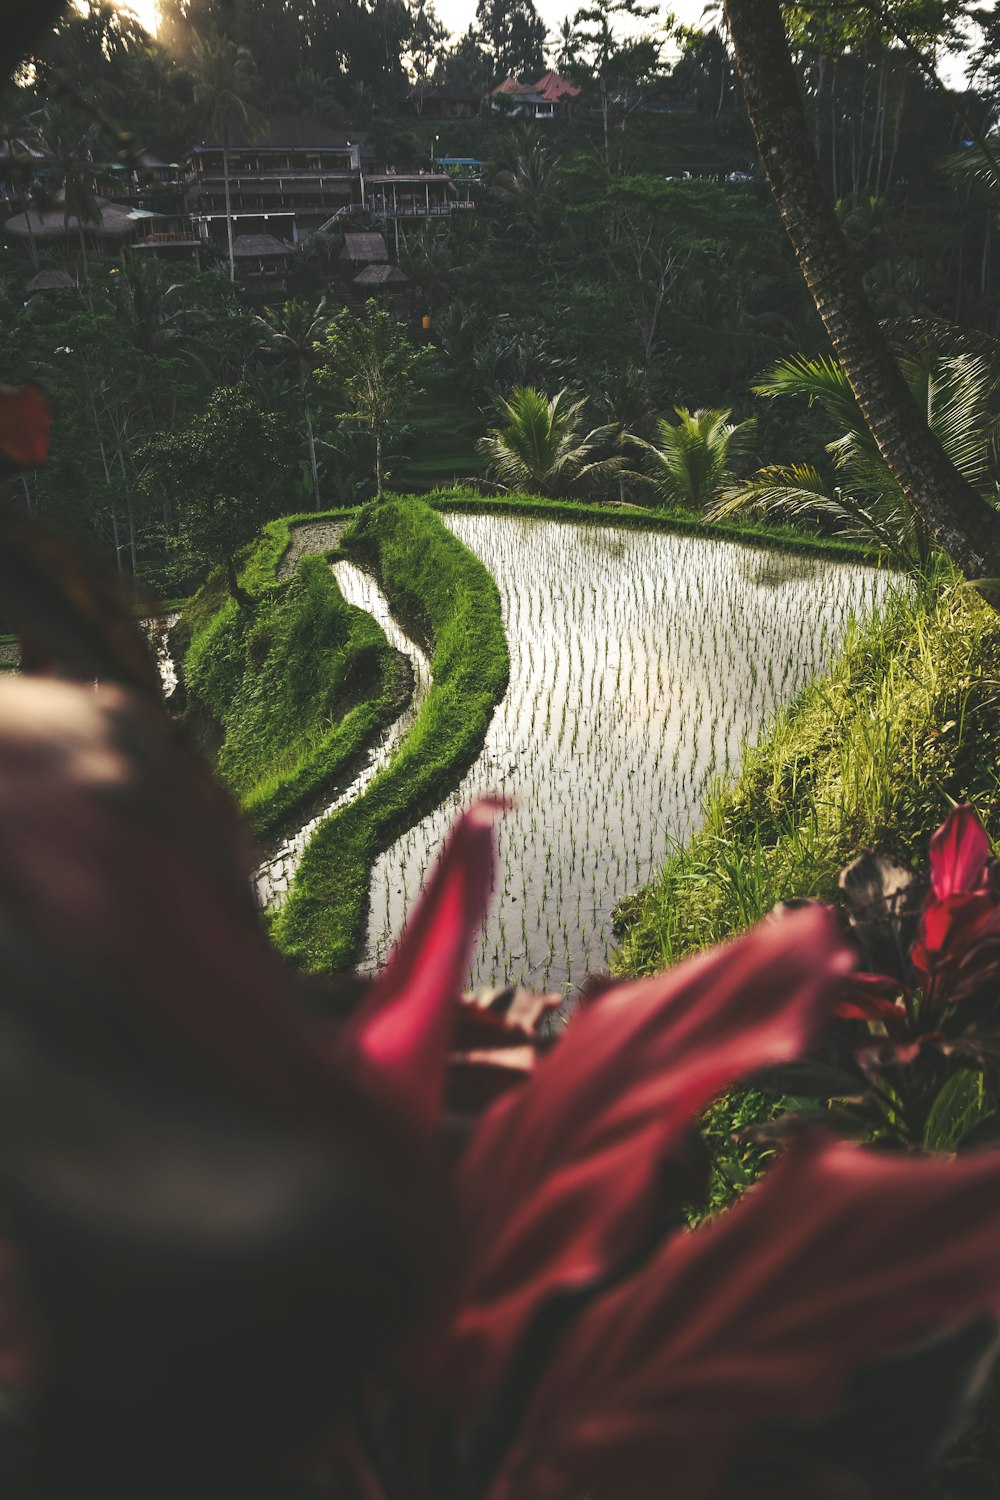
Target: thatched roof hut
<point>46,226</point>
<point>380,276</point>
<point>257,247</point>
<point>50,281</point>
<point>364,249</point>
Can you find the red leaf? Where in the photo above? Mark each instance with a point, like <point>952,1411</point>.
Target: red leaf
<point>959,851</point>
<point>404,1026</point>
<point>558,1184</point>
<point>25,423</point>
<point>838,1259</point>
<point>871,997</point>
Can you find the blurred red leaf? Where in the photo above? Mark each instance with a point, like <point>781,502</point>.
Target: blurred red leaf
<point>404,1026</point>
<point>25,424</point>
<point>558,1185</point>
<point>759,1322</point>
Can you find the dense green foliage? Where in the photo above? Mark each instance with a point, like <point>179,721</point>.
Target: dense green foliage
<point>451,605</point>
<point>290,692</point>
<point>872,755</point>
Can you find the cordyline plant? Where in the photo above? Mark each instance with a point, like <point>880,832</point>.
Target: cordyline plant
<point>376,1240</point>
<point>915,1059</point>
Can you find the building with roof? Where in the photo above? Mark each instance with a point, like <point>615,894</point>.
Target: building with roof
<point>50,281</point>
<point>285,190</point>
<point>551,96</point>
<point>262,262</point>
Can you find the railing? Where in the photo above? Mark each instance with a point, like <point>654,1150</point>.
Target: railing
<point>409,207</point>
<point>169,237</point>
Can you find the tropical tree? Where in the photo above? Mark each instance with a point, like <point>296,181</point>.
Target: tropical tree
<point>691,463</point>
<point>221,472</point>
<point>542,449</point>
<point>374,370</point>
<point>69,149</point>
<point>513,34</point>
<point>954,394</point>
<point>224,83</point>
<point>958,518</point>
<point>291,333</point>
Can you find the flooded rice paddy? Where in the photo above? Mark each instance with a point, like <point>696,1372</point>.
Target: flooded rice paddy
<point>641,663</point>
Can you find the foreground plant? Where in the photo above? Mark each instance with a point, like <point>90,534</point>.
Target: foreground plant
<point>367,1237</point>
<point>915,1059</point>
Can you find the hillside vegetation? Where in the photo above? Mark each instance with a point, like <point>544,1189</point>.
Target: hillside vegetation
<point>287,694</point>
<point>906,724</point>
<point>450,604</point>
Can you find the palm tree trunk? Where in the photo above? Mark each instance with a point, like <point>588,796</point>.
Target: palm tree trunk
<point>378,464</point>
<point>229,205</point>
<point>311,439</point>
<point>962,524</point>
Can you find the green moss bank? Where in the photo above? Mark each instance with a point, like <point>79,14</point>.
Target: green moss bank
<point>450,604</point>
<point>906,723</point>
<point>286,695</point>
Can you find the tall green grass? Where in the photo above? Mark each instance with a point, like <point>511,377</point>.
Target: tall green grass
<point>450,604</point>
<point>287,694</point>
<point>872,755</point>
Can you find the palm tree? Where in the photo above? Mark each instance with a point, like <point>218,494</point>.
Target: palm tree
<point>954,394</point>
<point>223,76</point>
<point>542,448</point>
<point>69,152</point>
<point>958,517</point>
<point>153,309</point>
<point>291,333</point>
<point>691,463</point>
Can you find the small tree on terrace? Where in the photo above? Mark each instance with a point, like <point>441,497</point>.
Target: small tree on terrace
<point>221,472</point>
<point>542,447</point>
<point>691,464</point>
<point>290,334</point>
<point>374,370</point>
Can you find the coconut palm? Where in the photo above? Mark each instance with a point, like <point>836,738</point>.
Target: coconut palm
<point>69,151</point>
<point>954,395</point>
<point>291,333</point>
<point>691,462</point>
<point>223,79</point>
<point>542,448</point>
<point>957,516</point>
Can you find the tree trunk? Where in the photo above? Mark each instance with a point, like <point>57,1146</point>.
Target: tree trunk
<point>311,439</point>
<point>378,464</point>
<point>229,205</point>
<point>240,595</point>
<point>962,524</point>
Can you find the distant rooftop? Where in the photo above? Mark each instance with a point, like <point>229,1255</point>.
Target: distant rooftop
<point>257,247</point>
<point>290,132</point>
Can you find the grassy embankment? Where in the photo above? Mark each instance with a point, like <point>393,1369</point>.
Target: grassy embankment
<point>644,518</point>
<point>906,723</point>
<point>287,696</point>
<point>450,605</point>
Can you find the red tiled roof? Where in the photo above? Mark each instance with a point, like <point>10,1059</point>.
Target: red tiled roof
<point>553,86</point>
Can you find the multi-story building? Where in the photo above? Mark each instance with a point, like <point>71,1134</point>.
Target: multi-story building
<point>293,182</point>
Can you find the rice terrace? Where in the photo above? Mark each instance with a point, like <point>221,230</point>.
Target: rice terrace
<point>500,750</point>
<point>641,663</point>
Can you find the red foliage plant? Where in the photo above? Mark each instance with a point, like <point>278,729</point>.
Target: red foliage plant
<point>377,1239</point>
<point>237,1229</point>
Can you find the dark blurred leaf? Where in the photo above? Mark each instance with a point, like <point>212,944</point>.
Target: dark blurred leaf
<point>73,615</point>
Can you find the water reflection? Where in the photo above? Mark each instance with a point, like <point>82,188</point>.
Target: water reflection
<point>640,664</point>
